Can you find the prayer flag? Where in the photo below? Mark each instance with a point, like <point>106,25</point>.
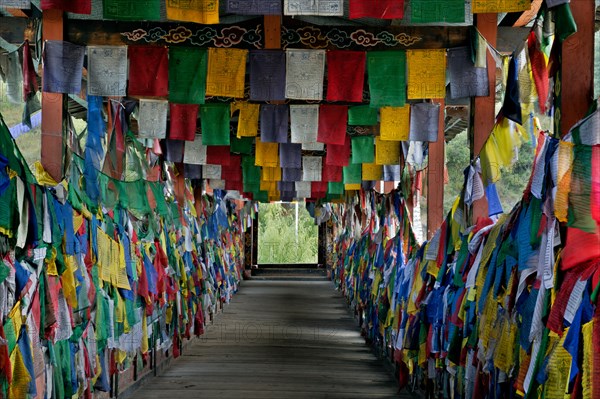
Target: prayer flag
<point>274,121</point>
<point>187,75</point>
<point>345,75</point>
<point>199,11</point>
<point>386,72</point>
<point>215,124</point>
<point>333,122</point>
<point>267,75</point>
<point>395,123</point>
<point>304,74</point>
<point>107,71</point>
<point>148,71</point>
<point>363,149</point>
<point>226,72</point>
<point>183,121</point>
<point>63,67</point>
<point>381,9</point>
<point>426,73</point>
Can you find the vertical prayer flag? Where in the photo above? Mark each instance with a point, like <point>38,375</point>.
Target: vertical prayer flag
<point>253,7</point>
<point>424,122</point>
<point>303,189</point>
<point>76,7</point>
<point>183,121</point>
<point>333,122</point>
<point>386,72</point>
<point>195,152</point>
<point>395,123</point>
<point>338,155</point>
<point>426,73</point>
<point>304,123</point>
<point>218,155</point>
<point>131,10</point>
<point>314,7</point>
<point>331,173</point>
<point>267,75</point>
<point>274,121</point>
<point>372,172</point>
<point>63,67</point>
<point>311,168</point>
<point>107,71</point>
<point>386,152</point>
<point>381,9</point>
<point>242,145</point>
<point>267,154</point>
<point>391,172</point>
<point>247,118</point>
<point>352,174</point>
<point>173,150</point>
<point>466,80</point>
<point>304,74</point>
<point>345,75</point>
<point>313,146</point>
<point>215,124</point>
<point>335,188</point>
<point>363,149</point>
<point>226,72</point>
<point>428,11</point>
<point>187,75</point>
<point>499,6</point>
<point>148,71</point>
<point>290,155</point>
<point>152,119</point>
<point>212,172</point>
<point>291,174</point>
<point>362,115</point>
<point>199,11</point>
<point>271,173</point>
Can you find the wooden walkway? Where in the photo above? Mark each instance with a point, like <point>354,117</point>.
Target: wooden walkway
<point>277,339</point>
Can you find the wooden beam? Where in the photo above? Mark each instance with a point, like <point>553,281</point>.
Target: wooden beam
<point>435,177</point>
<point>272,31</point>
<point>52,105</point>
<point>484,108</point>
<point>577,70</point>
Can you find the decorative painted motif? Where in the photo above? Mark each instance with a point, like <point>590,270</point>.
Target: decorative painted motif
<point>316,38</point>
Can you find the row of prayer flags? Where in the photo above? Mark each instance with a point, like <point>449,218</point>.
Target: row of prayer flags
<point>188,75</point>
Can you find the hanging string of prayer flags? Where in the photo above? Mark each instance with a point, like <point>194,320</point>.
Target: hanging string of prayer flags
<point>333,122</point>
<point>152,119</point>
<point>352,174</point>
<point>63,67</point>
<point>107,71</point>
<point>267,154</point>
<point>226,72</point>
<point>386,152</point>
<point>274,121</point>
<point>304,74</point>
<point>362,115</point>
<point>311,168</point>
<point>395,123</point>
<point>148,71</point>
<point>187,75</point>
<point>499,6</point>
<point>424,122</point>
<point>195,152</point>
<point>333,8</point>
<point>76,7</point>
<point>426,73</point>
<point>345,75</point>
<point>199,11</point>
<point>247,125</point>
<point>363,149</point>
<point>304,123</point>
<point>253,7</point>
<point>290,155</point>
<point>430,11</point>
<point>386,72</point>
<point>214,120</point>
<point>131,10</point>
<point>183,118</point>
<point>466,80</point>
<point>267,75</point>
<point>381,9</point>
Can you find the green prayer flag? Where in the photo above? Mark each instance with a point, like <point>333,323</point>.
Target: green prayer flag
<point>131,10</point>
<point>187,75</point>
<point>564,21</point>
<point>133,197</point>
<point>580,213</point>
<point>364,115</point>
<point>363,150</point>
<point>427,11</point>
<point>335,188</point>
<point>159,197</point>
<point>352,174</point>
<point>242,145</point>
<point>215,124</point>
<point>251,187</point>
<point>261,196</point>
<point>387,78</point>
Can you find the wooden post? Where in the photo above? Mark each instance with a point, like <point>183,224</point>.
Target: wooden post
<point>483,109</point>
<point>272,31</point>
<point>577,70</point>
<point>435,177</point>
<point>322,245</point>
<point>52,105</point>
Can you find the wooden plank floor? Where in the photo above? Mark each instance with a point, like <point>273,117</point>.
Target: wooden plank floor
<point>277,339</point>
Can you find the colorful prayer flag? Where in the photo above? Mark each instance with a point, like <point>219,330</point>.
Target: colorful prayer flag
<point>386,72</point>
<point>333,122</point>
<point>226,72</point>
<point>381,9</point>
<point>148,71</point>
<point>63,67</point>
<point>183,121</point>
<point>426,74</point>
<point>345,75</point>
<point>304,74</point>
<point>395,123</point>
<point>215,124</point>
<point>187,75</point>
<point>363,149</point>
<point>267,75</point>
<point>199,11</point>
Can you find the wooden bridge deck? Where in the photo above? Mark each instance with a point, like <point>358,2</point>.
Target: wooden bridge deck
<point>277,339</point>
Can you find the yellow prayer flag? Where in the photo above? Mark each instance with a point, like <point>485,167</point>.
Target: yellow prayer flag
<point>43,178</point>
<point>247,119</point>
<point>271,174</point>
<point>394,123</point>
<point>499,6</point>
<point>199,11</point>
<point>387,152</point>
<point>267,154</point>
<point>371,171</point>
<point>270,186</point>
<point>351,187</point>
<point>20,375</point>
<point>226,72</point>
<point>426,73</point>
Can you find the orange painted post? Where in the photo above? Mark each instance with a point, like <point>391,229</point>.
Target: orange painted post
<point>484,108</point>
<point>435,177</point>
<point>272,31</point>
<point>52,105</point>
<point>578,66</point>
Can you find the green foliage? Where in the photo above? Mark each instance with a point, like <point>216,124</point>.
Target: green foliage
<point>277,239</point>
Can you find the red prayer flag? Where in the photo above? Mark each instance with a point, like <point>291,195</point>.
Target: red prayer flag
<point>183,121</point>
<point>74,6</point>
<point>333,121</point>
<point>331,173</point>
<point>218,155</point>
<point>345,75</point>
<point>234,185</point>
<point>338,155</point>
<point>318,189</point>
<point>30,84</point>
<point>148,71</point>
<point>539,70</point>
<point>232,172</point>
<point>382,9</point>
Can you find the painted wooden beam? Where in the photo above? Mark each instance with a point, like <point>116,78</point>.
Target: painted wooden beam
<point>578,66</point>
<point>52,105</point>
<point>483,111</point>
<point>272,25</point>
<point>435,177</point>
